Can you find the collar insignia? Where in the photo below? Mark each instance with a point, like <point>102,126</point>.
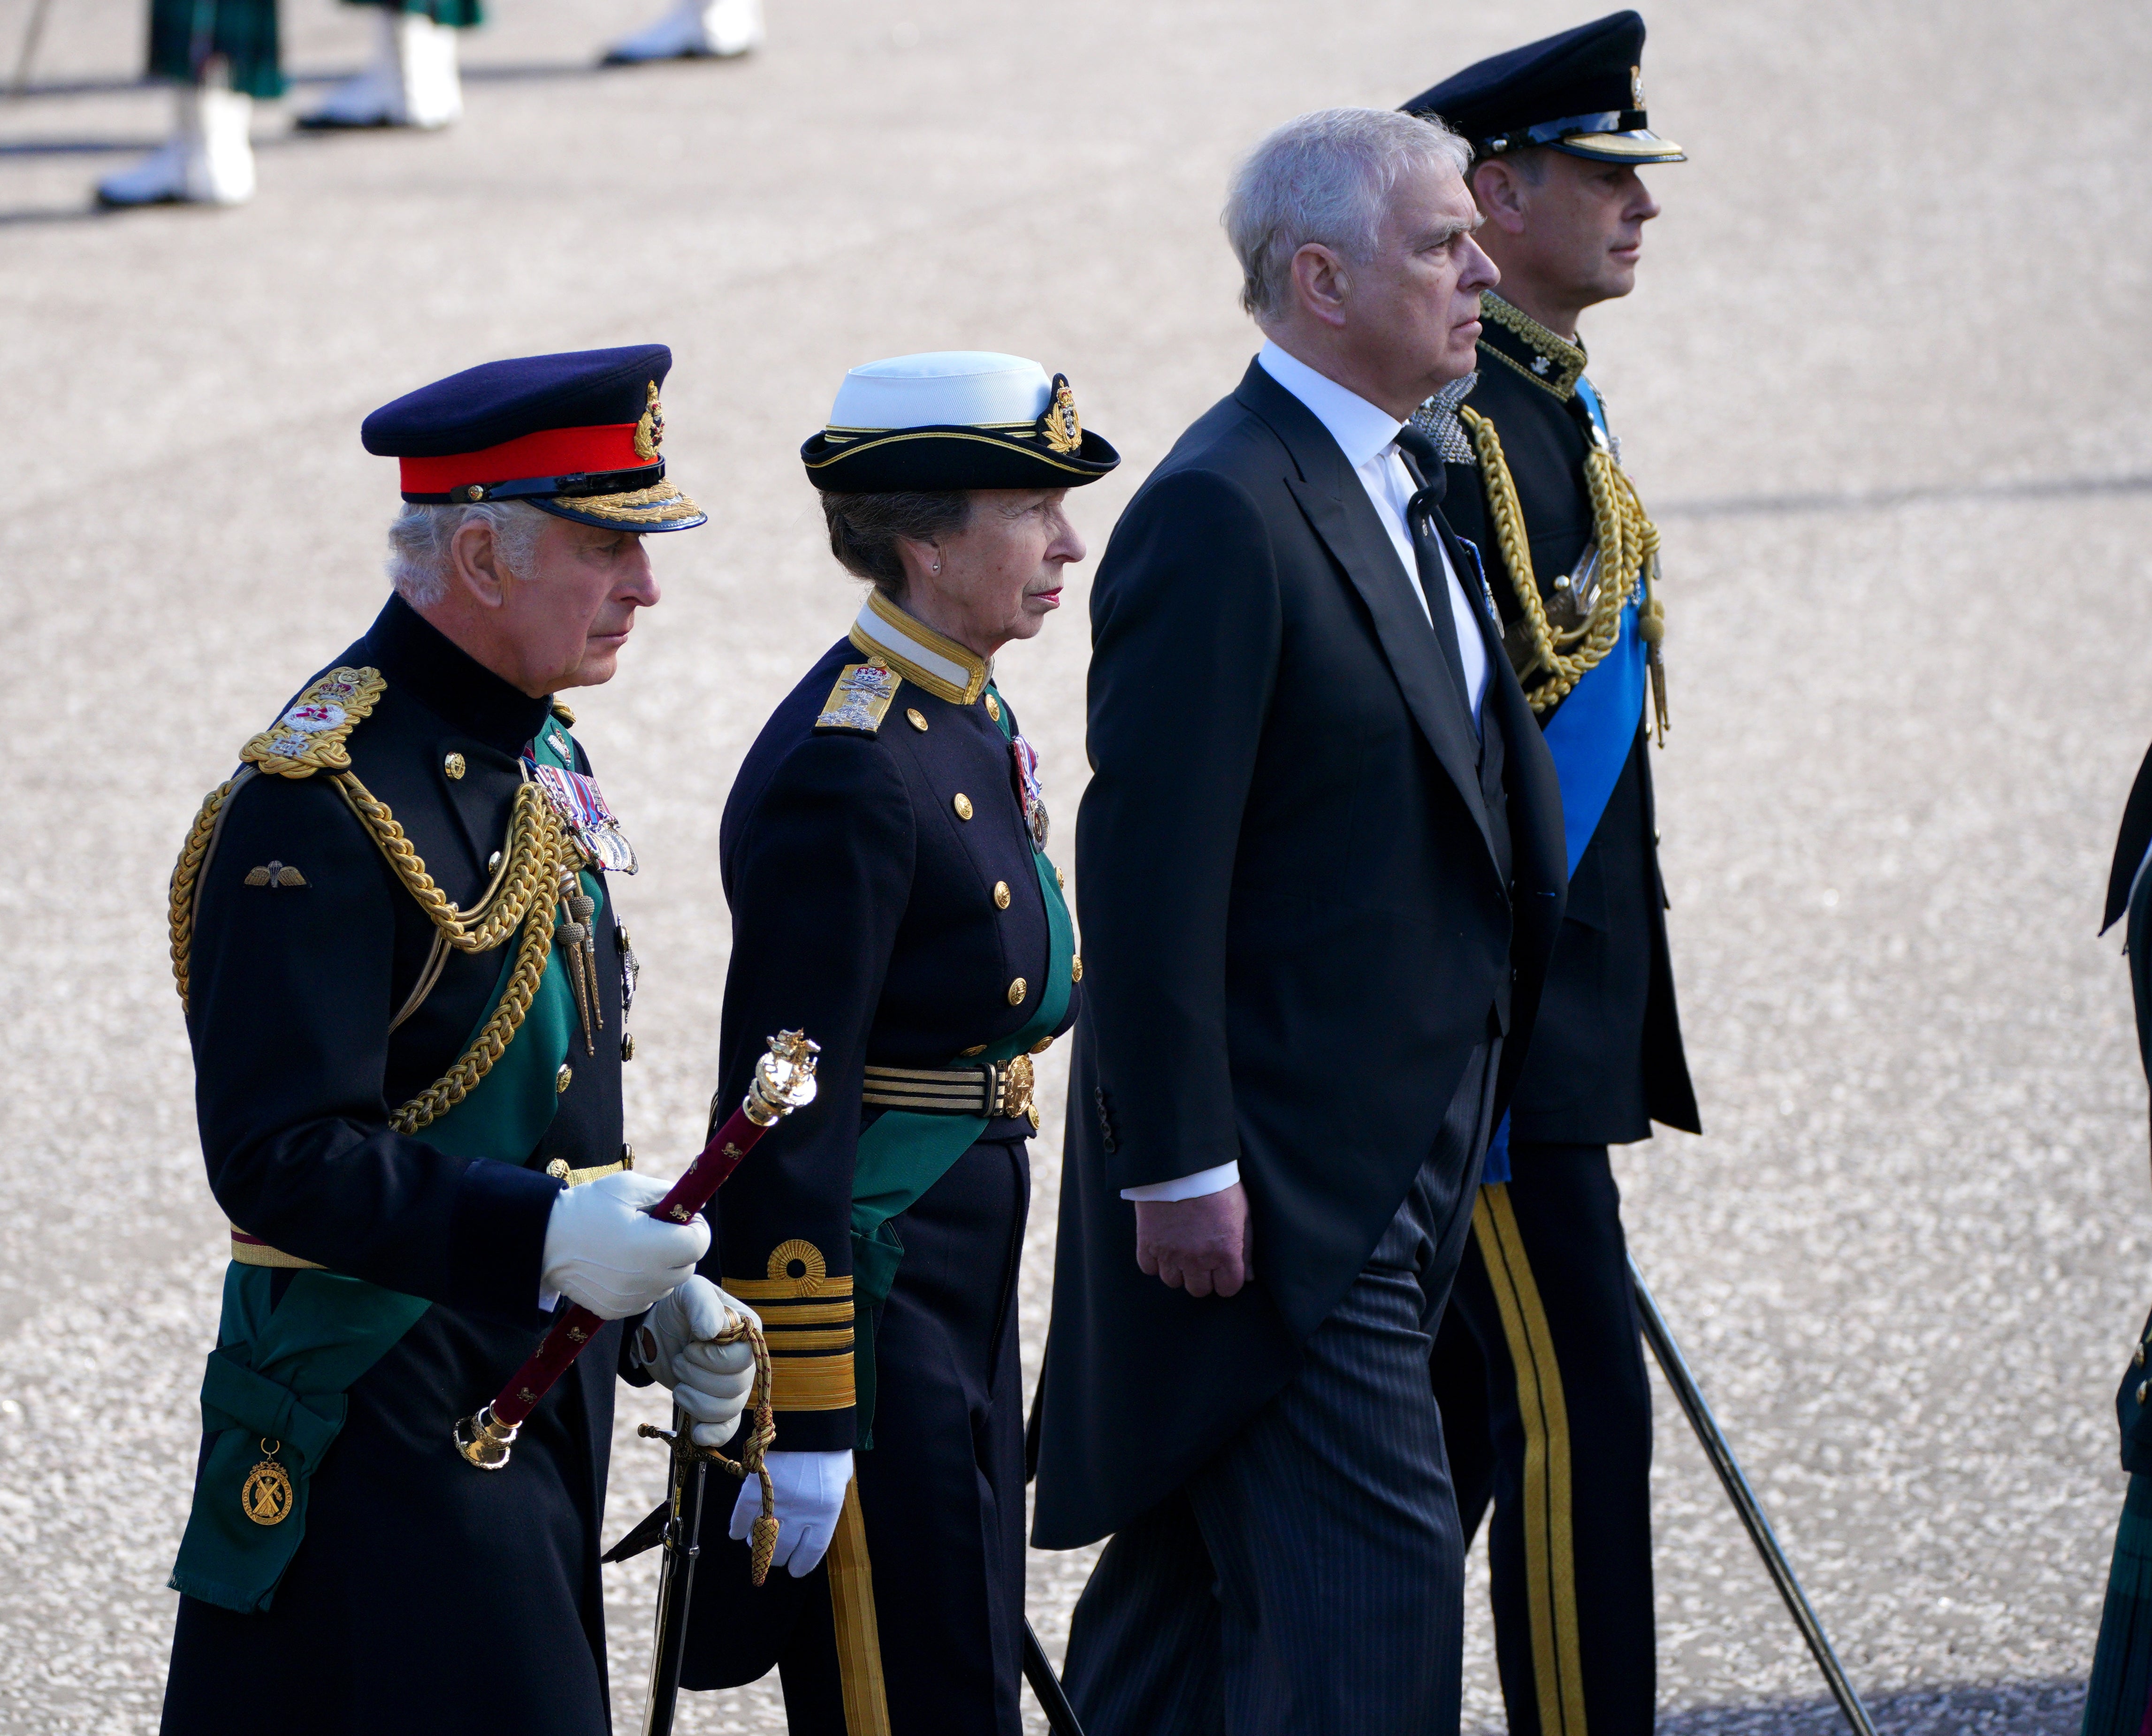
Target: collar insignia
<point>1060,427</point>
<point>650,429</point>
<point>1513,336</point>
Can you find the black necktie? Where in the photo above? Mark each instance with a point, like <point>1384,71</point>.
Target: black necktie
<point>1423,464</point>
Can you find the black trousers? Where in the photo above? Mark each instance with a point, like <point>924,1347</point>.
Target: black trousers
<point>918,1607</point>
<point>1309,1580</point>
<point>1539,1370</point>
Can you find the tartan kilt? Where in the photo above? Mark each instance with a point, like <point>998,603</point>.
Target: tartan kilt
<point>2118,1696</point>
<point>186,33</point>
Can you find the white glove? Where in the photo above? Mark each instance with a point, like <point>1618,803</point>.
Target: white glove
<point>710,1382</point>
<point>810,1493</point>
<point>603,1249</point>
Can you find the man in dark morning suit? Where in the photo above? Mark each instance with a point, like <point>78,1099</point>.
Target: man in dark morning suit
<point>1539,1368</point>
<point>405,985</point>
<point>1319,870</point>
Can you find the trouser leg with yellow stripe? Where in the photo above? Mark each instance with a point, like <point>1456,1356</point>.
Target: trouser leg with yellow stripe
<point>1542,1317</point>
<point>913,1625</point>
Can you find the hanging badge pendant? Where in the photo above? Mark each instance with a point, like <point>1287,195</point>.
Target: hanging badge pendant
<point>267,1497</point>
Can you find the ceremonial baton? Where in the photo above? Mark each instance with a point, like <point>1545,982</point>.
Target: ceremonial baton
<point>784,1081</point>
<point>1720,1452</point>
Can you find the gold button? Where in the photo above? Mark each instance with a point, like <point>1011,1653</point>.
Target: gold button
<point>453,765</point>
<point>1060,881</point>
<point>627,1045</point>
<point>627,1155</point>
<point>993,708</point>
<point>962,805</point>
<point>976,1049</point>
<point>2144,1388</point>
<point>1041,1047</point>
<point>2138,1358</point>
<point>1076,968</point>
<point>560,1078</point>
<point>1018,990</point>
<point>911,715</point>
<point>493,863</point>
<point>1001,894</point>
<point>558,1169</point>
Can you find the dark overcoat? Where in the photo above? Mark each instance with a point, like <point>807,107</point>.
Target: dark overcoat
<point>1297,926</point>
<point>427,1597</point>
<point>2129,894</point>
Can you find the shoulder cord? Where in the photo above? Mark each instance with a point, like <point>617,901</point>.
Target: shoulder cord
<point>1628,549</point>
<point>523,894</point>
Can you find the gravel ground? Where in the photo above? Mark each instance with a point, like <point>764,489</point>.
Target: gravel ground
<point>1907,542</point>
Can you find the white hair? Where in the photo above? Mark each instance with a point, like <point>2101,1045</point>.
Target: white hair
<point>419,539</point>
<point>1323,177</point>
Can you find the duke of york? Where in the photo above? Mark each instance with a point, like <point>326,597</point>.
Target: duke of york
<point>407,989</point>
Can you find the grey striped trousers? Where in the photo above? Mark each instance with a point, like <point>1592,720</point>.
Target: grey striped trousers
<point>1310,1578</point>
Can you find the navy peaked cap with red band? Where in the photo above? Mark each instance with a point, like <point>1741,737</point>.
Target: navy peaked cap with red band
<point>1581,92</point>
<point>576,434</point>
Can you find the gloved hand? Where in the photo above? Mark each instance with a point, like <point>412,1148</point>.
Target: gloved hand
<point>710,1382</point>
<point>603,1249</point>
<point>810,1493</point>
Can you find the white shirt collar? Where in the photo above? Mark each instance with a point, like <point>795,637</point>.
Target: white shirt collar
<point>1361,429</point>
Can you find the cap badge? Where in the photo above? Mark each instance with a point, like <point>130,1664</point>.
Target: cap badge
<point>1060,427</point>
<point>1635,87</point>
<point>650,430</point>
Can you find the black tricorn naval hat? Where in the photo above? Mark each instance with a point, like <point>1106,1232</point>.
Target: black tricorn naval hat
<point>576,434</point>
<point>1581,92</point>
<point>953,420</point>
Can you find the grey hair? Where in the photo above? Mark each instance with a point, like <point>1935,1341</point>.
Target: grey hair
<point>864,529</point>
<point>1323,177</point>
<point>419,539</point>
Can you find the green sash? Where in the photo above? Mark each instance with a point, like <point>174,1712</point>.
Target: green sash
<point>904,1153</point>
<point>283,1371</point>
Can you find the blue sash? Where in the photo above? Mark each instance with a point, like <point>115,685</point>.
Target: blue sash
<point>1590,736</point>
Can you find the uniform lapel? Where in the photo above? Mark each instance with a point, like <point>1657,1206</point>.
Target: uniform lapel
<point>1337,506</point>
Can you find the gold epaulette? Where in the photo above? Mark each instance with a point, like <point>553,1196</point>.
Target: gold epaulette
<point>861,697</point>
<point>807,1320</point>
<point>310,736</point>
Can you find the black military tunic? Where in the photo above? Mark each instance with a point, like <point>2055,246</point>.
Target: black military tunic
<point>886,898</point>
<point>426,1596</point>
<point>1538,1367</point>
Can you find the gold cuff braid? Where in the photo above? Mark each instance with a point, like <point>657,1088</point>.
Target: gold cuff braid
<point>811,1383</point>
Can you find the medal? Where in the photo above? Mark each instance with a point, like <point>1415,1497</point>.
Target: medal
<point>582,809</point>
<point>267,1497</point>
<point>1030,789</point>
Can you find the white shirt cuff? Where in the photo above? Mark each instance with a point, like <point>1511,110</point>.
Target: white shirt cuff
<point>1188,1187</point>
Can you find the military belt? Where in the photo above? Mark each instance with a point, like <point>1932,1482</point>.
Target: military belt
<point>251,1251</point>
<point>993,1089</point>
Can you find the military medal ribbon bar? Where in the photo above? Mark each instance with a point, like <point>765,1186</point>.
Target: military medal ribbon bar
<point>581,806</point>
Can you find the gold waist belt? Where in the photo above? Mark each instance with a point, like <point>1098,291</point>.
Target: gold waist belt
<point>992,1089</point>
<point>252,1250</point>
